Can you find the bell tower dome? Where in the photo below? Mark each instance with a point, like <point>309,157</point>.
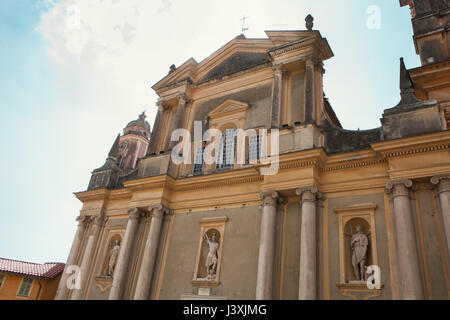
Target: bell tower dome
<point>134,143</point>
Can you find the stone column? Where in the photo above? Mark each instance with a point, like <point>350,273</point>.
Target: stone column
<point>120,272</point>
<point>277,96</point>
<point>310,100</point>
<point>88,256</point>
<point>264,282</point>
<point>156,131</point>
<point>63,290</point>
<point>442,183</point>
<point>177,120</point>
<point>307,289</point>
<point>156,143</point>
<point>408,256</point>
<point>149,255</point>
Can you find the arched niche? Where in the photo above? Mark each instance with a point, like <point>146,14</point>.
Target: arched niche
<point>208,237</point>
<point>349,230</point>
<point>111,255</point>
<point>350,218</point>
<point>209,250</point>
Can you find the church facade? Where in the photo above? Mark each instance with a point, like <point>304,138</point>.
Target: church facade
<point>249,188</point>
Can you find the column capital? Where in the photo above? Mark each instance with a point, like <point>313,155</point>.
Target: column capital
<point>437,179</point>
<point>83,221</point>
<point>99,220</point>
<point>399,187</point>
<point>441,182</point>
<point>136,213</point>
<point>309,193</point>
<point>162,105</point>
<point>279,69</point>
<point>312,61</point>
<point>184,99</point>
<point>159,210</point>
<point>271,198</point>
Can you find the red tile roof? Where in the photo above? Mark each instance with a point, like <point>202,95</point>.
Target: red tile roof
<point>47,270</point>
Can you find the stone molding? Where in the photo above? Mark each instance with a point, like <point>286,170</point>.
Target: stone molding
<point>411,152</point>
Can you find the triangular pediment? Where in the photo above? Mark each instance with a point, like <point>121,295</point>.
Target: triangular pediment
<point>229,107</point>
<point>183,72</point>
<point>238,55</point>
<point>232,57</point>
<point>238,61</point>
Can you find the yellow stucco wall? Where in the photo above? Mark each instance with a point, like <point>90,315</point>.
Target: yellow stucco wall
<point>11,284</point>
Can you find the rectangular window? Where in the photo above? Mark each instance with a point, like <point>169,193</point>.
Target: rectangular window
<point>226,150</point>
<point>25,287</point>
<point>253,148</point>
<point>198,162</point>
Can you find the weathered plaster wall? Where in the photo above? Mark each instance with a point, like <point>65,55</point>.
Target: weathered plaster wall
<point>333,241</point>
<point>239,255</point>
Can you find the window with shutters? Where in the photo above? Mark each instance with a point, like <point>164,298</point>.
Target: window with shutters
<point>25,287</point>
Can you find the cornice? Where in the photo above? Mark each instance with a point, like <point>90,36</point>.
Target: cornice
<point>149,183</point>
<point>433,68</point>
<point>413,151</point>
<point>413,145</point>
<point>220,179</point>
<point>352,164</point>
<point>358,207</point>
<point>98,194</point>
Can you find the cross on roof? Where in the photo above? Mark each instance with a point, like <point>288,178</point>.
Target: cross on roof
<point>244,18</point>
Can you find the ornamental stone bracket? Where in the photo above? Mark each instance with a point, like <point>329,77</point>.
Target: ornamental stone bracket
<point>103,283</point>
<point>359,291</point>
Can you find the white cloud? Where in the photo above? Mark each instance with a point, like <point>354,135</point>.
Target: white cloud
<point>165,6</point>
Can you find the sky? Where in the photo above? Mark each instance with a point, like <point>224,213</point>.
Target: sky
<point>73,73</point>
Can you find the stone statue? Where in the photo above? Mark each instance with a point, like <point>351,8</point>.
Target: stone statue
<point>113,254</point>
<point>359,245</point>
<point>213,257</point>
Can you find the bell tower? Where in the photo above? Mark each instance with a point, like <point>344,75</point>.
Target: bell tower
<point>133,143</point>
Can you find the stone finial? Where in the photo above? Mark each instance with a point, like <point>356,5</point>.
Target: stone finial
<point>408,97</point>
<point>172,68</point>
<point>309,22</point>
<point>408,100</point>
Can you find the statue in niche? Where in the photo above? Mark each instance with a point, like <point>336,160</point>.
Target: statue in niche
<point>113,255</point>
<point>359,245</point>
<point>212,257</point>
